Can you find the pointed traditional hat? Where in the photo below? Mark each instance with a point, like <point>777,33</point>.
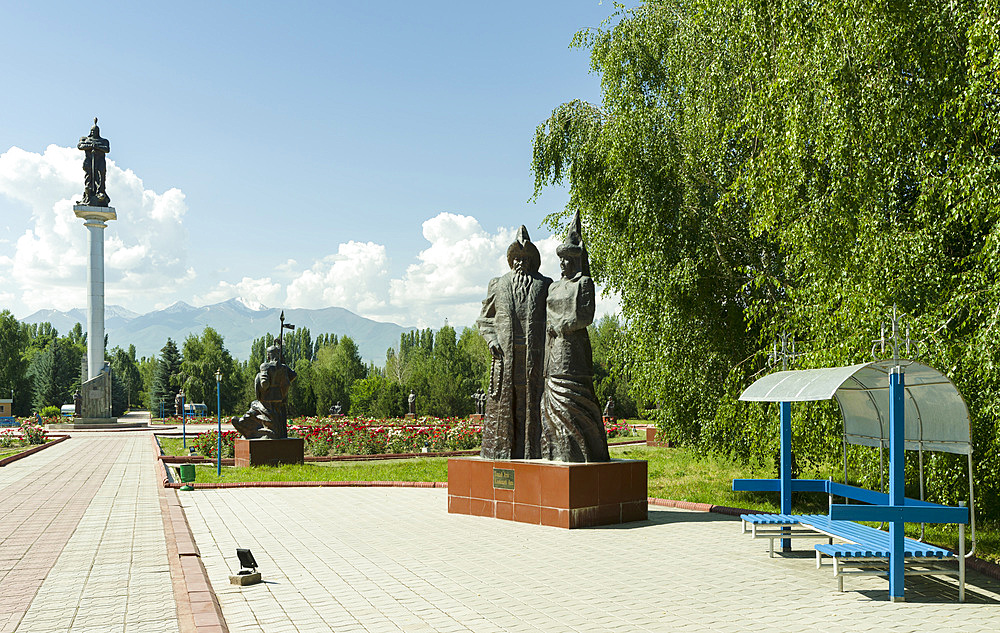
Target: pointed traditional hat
<point>573,246</point>
<point>524,248</point>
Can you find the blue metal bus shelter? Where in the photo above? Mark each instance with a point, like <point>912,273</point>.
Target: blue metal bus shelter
<point>892,405</point>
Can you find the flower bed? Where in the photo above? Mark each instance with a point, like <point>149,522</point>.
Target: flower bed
<point>206,443</point>
<point>618,428</point>
<point>362,436</point>
<point>366,436</point>
<point>26,435</point>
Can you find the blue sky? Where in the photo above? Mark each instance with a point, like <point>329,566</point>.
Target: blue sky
<point>374,156</point>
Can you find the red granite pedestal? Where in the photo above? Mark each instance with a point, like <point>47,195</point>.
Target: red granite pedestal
<point>263,452</point>
<point>558,494</point>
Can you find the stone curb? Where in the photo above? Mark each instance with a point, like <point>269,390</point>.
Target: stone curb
<point>229,461</point>
<point>984,567</point>
<point>32,451</point>
<point>310,484</point>
<point>198,608</point>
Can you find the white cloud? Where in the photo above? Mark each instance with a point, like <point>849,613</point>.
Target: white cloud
<point>145,255</point>
<point>355,278</point>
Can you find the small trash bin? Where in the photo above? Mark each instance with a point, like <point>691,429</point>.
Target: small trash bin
<point>187,473</point>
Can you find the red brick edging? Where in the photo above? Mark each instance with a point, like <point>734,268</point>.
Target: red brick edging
<point>198,607</point>
<point>32,451</point>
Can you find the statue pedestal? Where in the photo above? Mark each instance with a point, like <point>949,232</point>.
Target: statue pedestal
<point>559,494</point>
<point>410,416</point>
<point>262,452</point>
<point>477,417</point>
<point>652,441</point>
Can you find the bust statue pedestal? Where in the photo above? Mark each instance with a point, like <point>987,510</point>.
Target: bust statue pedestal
<point>264,452</point>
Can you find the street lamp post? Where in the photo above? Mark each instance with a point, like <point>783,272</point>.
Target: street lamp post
<point>218,411</point>
<point>184,437</point>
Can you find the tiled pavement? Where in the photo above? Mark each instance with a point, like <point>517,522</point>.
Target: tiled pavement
<point>376,559</point>
<point>82,549</point>
<point>82,546</point>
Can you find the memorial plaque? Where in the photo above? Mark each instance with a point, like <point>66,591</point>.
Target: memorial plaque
<point>503,478</point>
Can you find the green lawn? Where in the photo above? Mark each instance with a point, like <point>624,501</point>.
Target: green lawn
<point>419,469</point>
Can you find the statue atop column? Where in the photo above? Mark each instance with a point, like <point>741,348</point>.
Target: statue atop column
<point>95,168</point>
<point>512,322</point>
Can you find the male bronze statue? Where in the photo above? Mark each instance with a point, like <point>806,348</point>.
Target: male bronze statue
<point>95,168</point>
<point>512,322</point>
<point>268,414</point>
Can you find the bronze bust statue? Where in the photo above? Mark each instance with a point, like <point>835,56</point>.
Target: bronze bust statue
<point>268,414</point>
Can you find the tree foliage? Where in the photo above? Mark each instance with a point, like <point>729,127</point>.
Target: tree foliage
<point>14,382</point>
<point>756,167</point>
<point>203,356</point>
<point>167,380</point>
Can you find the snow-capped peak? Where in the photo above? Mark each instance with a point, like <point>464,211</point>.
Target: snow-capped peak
<point>250,304</point>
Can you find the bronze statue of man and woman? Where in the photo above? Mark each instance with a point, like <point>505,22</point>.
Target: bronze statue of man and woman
<point>542,403</point>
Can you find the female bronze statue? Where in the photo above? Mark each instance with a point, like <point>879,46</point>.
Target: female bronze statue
<point>572,426</point>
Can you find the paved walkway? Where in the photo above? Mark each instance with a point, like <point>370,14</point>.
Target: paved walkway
<point>82,549</point>
<point>375,559</point>
<point>82,546</point>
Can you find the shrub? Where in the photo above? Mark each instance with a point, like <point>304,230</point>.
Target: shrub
<point>50,412</point>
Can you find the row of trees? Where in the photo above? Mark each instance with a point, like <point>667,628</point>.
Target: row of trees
<point>756,168</point>
<point>443,368</point>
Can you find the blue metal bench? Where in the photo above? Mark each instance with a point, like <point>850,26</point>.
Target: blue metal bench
<point>866,550</point>
<point>8,421</point>
<point>778,526</point>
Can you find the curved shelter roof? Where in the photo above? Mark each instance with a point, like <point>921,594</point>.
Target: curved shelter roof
<point>937,418</point>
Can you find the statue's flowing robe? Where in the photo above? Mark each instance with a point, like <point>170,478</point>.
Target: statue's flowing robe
<point>572,425</point>
<point>512,425</point>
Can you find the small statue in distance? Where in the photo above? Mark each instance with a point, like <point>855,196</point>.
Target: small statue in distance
<point>609,408</point>
<point>268,414</point>
<point>95,168</point>
<point>179,403</point>
<point>411,402</point>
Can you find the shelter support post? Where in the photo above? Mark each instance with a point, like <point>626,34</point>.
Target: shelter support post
<point>897,482</point>
<point>786,467</point>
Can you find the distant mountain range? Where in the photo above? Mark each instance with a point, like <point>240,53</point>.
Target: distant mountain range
<point>238,321</point>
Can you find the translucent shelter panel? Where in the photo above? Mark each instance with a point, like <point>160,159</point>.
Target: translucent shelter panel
<point>936,415</point>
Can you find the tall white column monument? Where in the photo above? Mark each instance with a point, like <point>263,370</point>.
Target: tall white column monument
<point>94,219</point>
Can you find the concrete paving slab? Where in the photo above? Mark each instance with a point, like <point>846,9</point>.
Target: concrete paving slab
<point>101,563</point>
<point>386,559</point>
